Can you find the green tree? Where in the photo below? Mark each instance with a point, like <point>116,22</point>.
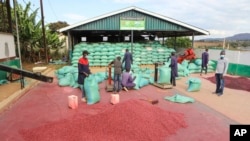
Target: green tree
<point>233,44</point>
<point>57,25</point>
<point>30,33</point>
<point>29,29</point>
<point>244,44</point>
<point>180,42</point>
<point>4,22</point>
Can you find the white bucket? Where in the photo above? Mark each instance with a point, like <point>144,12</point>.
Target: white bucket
<point>73,101</point>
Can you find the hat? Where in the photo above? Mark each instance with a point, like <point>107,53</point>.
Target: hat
<point>85,52</point>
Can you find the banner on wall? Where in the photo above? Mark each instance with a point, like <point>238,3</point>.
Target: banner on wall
<point>132,23</point>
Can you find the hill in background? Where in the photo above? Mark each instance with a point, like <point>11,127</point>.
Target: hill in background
<point>236,37</point>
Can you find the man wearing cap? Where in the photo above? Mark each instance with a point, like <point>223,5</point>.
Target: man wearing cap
<point>221,70</point>
<point>83,71</point>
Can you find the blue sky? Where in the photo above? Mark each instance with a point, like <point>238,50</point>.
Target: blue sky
<point>222,18</point>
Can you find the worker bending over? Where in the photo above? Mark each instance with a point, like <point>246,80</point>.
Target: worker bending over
<point>127,80</point>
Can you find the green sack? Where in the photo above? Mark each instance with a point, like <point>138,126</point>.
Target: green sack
<point>91,90</point>
<point>198,62</point>
<point>194,84</point>
<point>151,80</point>
<point>67,80</point>
<point>137,81</point>
<point>143,82</point>
<point>4,81</point>
<point>179,99</point>
<point>193,66</point>
<point>180,67</point>
<point>164,75</point>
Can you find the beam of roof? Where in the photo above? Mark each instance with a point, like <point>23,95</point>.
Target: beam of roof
<point>140,10</point>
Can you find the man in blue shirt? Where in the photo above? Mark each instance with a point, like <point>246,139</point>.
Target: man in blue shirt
<point>174,68</point>
<point>204,61</point>
<point>128,59</point>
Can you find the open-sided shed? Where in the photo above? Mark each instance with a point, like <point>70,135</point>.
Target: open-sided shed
<point>109,25</point>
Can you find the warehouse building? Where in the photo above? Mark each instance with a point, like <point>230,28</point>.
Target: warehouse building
<point>130,24</point>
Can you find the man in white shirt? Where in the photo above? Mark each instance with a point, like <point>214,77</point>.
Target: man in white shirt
<point>221,70</point>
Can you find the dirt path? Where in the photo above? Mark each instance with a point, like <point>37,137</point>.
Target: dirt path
<point>233,103</point>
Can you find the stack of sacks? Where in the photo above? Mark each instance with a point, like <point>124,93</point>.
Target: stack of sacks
<point>103,53</point>
<point>100,76</point>
<point>182,68</point>
<point>184,65</point>
<point>68,76</point>
<point>146,77</point>
<point>196,66</point>
<point>181,71</point>
<point>143,78</point>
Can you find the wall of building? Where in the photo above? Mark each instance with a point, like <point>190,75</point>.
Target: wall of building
<point>7,46</point>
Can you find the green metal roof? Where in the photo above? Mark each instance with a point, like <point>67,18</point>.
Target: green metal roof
<point>153,22</point>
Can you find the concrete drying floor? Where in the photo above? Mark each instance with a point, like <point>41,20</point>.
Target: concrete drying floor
<point>207,119</point>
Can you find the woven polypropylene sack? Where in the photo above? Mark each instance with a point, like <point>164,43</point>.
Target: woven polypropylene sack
<point>143,82</point>
<point>164,75</point>
<point>198,62</point>
<point>179,99</point>
<point>194,84</point>
<point>137,81</point>
<point>91,90</point>
<point>67,80</point>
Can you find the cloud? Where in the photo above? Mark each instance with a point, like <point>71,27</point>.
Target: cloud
<point>73,18</point>
<point>220,18</point>
<point>128,1</point>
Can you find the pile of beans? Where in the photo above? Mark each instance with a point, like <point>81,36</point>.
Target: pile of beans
<point>238,83</point>
<point>132,120</point>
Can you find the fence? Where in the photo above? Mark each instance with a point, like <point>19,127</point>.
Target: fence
<point>239,61</point>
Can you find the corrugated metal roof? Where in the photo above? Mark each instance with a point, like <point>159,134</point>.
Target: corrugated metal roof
<point>154,22</point>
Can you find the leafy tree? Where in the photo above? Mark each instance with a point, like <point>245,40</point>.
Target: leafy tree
<point>30,33</point>
<point>57,25</point>
<point>233,44</point>
<point>244,44</point>
<point>4,22</point>
<point>180,42</point>
<point>29,29</point>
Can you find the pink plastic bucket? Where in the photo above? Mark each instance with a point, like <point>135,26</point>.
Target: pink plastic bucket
<point>73,101</point>
<point>115,98</point>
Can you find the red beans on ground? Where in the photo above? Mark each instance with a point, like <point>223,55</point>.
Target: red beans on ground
<point>239,83</point>
<point>132,120</point>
